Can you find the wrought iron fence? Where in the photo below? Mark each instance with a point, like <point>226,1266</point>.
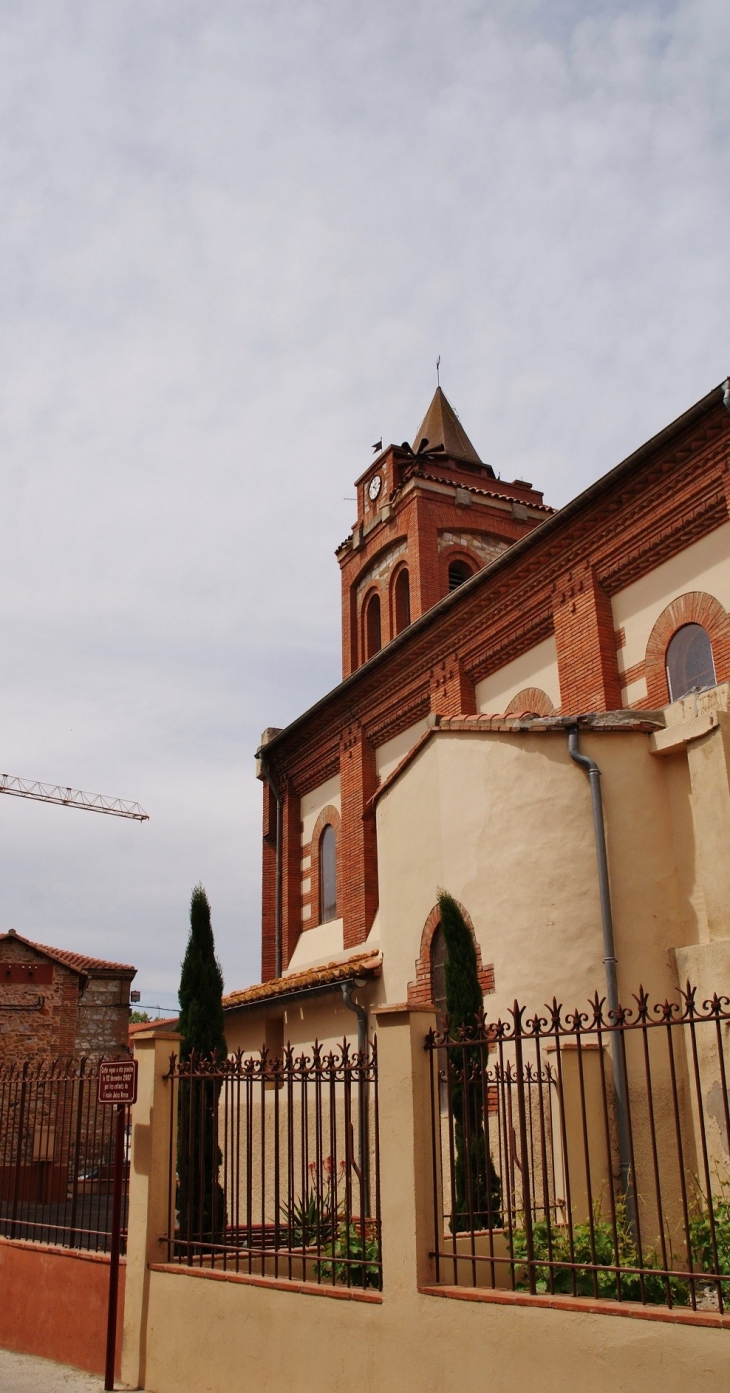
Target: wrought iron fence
<point>57,1155</point>
<point>274,1165</point>
<point>586,1153</point>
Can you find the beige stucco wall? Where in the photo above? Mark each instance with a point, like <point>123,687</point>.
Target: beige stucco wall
<point>187,1333</point>
<point>316,945</point>
<point>323,1018</point>
<point>313,802</point>
<point>389,755</point>
<point>197,1333</point>
<point>703,566</point>
<point>538,668</point>
<point>217,1336</point>
<point>504,823</point>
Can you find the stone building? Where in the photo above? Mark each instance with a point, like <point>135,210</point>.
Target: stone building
<point>56,1003</point>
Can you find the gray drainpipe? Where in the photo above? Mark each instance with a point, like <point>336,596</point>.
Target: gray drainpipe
<point>277,902</point>
<point>609,960</point>
<point>363,1104</point>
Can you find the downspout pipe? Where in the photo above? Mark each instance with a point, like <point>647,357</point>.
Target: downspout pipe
<point>363,1103</point>
<point>593,772</point>
<point>277,893</point>
<point>360,1012</point>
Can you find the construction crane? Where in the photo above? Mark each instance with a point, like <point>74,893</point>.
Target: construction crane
<point>71,798</point>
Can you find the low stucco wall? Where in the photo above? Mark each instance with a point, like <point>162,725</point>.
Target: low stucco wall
<point>212,1336</point>
<point>53,1303</point>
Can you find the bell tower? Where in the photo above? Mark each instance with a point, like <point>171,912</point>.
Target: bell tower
<point>429,515</point>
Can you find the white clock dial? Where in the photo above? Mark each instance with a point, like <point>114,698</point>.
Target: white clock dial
<point>374,487</point>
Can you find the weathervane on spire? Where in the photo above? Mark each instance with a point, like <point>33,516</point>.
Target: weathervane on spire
<point>438,365</point>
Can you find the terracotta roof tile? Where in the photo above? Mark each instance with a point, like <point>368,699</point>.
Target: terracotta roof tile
<point>134,1027</point>
<point>485,493</point>
<point>78,962</point>
<point>361,965</point>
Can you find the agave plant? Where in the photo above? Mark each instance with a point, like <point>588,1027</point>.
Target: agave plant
<point>312,1218</point>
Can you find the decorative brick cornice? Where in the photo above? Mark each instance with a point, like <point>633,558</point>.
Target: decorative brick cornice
<point>399,715</point>
<point>696,607</point>
<point>419,991</point>
<point>510,641</point>
<point>656,547</point>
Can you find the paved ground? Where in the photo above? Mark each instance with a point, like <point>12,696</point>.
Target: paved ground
<point>23,1373</point>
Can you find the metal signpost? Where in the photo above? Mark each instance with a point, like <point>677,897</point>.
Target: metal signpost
<point>117,1088</point>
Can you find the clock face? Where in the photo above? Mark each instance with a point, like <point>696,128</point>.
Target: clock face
<point>374,487</point>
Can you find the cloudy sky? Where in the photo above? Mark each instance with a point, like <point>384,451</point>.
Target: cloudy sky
<point>235,236</point>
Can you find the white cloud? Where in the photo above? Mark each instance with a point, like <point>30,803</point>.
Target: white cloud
<point>234,239</point>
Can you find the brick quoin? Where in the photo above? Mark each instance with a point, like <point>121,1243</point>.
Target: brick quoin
<point>291,883</point>
<point>586,643</point>
<point>452,690</point>
<point>556,579</point>
<point>329,817</point>
<point>359,855</point>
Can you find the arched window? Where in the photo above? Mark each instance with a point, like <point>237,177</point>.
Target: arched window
<point>327,875</point>
<point>438,976</point>
<point>372,626</point>
<point>458,573</point>
<point>402,601</point>
<point>690,666</point>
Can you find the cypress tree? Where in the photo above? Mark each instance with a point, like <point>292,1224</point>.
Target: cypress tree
<point>201,1201</point>
<point>476,1183</point>
<point>201,986</point>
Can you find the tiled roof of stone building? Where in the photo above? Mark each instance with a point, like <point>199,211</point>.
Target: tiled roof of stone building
<point>78,962</point>
<point>164,1023</point>
<point>329,974</point>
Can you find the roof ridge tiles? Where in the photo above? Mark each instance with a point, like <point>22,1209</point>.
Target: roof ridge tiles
<point>78,962</point>
<point>368,963</point>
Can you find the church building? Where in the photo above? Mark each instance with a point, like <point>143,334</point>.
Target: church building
<point>486,639</point>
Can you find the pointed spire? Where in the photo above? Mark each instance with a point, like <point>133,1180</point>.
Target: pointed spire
<point>441,426</point>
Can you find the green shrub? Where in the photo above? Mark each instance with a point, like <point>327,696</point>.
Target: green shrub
<point>701,1233</point>
<point>363,1248</point>
<point>607,1255</point>
<point>309,1220</point>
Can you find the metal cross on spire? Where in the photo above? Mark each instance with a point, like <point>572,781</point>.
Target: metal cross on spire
<point>438,365</point>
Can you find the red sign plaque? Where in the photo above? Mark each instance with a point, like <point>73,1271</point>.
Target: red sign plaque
<point>118,1081</point>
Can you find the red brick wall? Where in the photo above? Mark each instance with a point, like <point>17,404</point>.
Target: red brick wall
<point>586,642</point>
<point>420,517</point>
<point>452,690</point>
<point>49,1031</point>
<point>359,858</point>
<point>54,1304</point>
